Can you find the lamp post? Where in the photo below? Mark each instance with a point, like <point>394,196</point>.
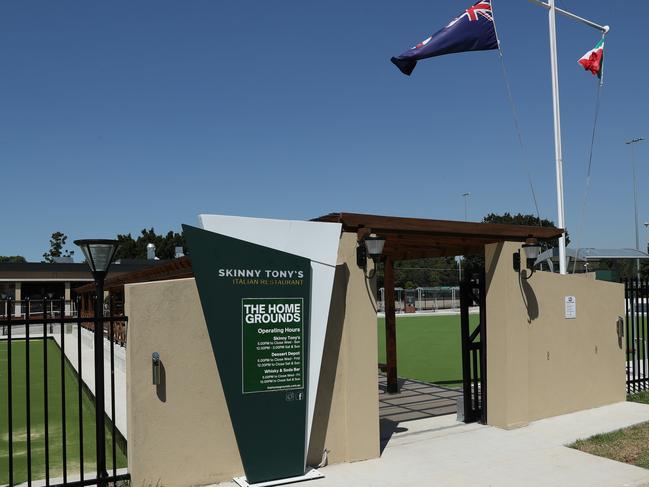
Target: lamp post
<point>466,219</point>
<point>631,143</point>
<point>99,255</point>
<point>466,206</point>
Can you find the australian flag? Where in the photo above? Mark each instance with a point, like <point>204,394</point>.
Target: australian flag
<point>474,30</point>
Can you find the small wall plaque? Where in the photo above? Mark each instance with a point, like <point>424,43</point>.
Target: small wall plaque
<point>571,308</point>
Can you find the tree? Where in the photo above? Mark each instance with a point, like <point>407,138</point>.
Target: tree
<point>57,242</point>
<point>520,219</point>
<point>130,248</point>
<point>430,272</point>
<point>622,268</point>
<point>474,264</point>
<point>12,259</point>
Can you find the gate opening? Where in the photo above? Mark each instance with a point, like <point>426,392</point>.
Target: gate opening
<point>415,238</point>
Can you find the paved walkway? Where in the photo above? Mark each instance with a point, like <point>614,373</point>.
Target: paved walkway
<point>442,452</point>
<point>88,370</point>
<point>415,400</point>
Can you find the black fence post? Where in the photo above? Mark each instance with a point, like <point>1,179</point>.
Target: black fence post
<point>102,474</point>
<point>627,324</point>
<point>465,293</point>
<point>28,387</point>
<point>483,347</point>
<point>10,406</point>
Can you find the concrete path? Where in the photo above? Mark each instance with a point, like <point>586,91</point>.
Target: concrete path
<point>88,370</point>
<point>415,401</point>
<point>442,452</point>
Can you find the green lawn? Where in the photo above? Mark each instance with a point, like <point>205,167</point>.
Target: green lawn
<point>428,347</point>
<point>628,445</point>
<point>642,397</point>
<point>19,390</point>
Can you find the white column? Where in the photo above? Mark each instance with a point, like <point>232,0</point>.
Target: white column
<point>561,221</point>
<point>18,297</point>
<point>67,298</point>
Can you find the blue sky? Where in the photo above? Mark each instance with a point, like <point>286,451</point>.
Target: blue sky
<point>115,116</point>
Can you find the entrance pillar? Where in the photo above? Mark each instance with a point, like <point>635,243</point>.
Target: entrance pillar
<point>390,326</point>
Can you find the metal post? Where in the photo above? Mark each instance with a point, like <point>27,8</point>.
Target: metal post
<point>466,358</point>
<point>561,221</point>
<point>631,143</point>
<point>466,206</point>
<point>552,10</point>
<point>603,28</point>
<point>635,208</point>
<point>390,327</point>
<point>99,380</point>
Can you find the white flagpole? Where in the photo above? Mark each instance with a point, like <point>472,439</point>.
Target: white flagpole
<point>561,220</point>
<point>589,23</point>
<point>552,10</point>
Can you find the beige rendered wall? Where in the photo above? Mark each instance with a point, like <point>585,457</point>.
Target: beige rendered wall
<point>540,364</point>
<point>346,420</point>
<point>180,434</point>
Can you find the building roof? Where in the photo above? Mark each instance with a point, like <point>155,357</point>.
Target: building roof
<point>170,269</point>
<point>583,255</point>
<point>413,238</point>
<point>55,271</point>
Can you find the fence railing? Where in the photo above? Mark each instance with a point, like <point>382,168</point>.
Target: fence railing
<point>57,308</point>
<point>636,293</point>
<point>423,298</point>
<point>59,430</point>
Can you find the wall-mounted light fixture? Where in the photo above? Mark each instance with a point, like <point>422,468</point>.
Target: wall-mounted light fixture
<point>532,249</point>
<point>155,365</point>
<point>371,246</point>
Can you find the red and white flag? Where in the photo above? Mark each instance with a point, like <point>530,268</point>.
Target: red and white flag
<point>593,60</point>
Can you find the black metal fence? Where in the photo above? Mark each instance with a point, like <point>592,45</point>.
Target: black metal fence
<point>56,430</point>
<point>636,293</point>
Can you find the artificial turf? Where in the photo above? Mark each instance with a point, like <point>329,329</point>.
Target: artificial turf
<point>55,417</point>
<point>428,347</point>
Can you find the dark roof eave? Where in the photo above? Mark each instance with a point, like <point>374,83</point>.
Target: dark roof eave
<point>400,225</point>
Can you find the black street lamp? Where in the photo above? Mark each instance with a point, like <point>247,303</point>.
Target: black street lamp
<point>99,255</point>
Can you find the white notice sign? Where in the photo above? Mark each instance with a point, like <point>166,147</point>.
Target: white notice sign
<point>571,308</point>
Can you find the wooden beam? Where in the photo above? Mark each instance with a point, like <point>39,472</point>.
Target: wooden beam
<point>390,326</point>
<point>498,231</point>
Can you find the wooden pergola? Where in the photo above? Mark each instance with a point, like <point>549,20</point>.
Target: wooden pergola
<point>418,238</point>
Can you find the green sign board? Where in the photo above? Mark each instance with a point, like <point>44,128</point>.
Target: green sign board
<point>256,301</point>
<point>272,331</point>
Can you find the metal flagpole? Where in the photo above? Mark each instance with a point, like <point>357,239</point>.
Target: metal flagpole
<point>552,10</point>
<point>631,143</point>
<point>603,28</point>
<point>557,135</point>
